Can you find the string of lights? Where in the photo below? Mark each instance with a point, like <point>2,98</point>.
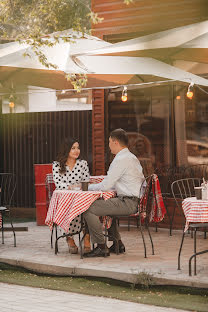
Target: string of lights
<point>90,88</point>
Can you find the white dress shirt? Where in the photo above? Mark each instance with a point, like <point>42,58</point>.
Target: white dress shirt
<point>124,175</point>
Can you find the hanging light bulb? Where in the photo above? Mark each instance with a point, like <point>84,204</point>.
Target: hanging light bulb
<point>190,92</point>
<point>124,97</point>
<point>11,103</point>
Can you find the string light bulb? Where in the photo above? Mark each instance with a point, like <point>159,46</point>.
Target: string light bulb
<point>124,96</point>
<point>11,103</point>
<point>190,92</point>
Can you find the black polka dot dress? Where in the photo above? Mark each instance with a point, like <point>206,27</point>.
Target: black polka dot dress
<point>79,173</point>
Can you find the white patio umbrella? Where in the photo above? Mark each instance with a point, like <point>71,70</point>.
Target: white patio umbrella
<point>103,71</point>
<point>28,70</point>
<point>189,43</point>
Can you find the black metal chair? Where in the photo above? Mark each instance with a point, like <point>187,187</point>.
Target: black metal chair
<point>142,216</point>
<point>78,232</point>
<point>7,188</point>
<point>50,187</point>
<point>182,189</point>
<point>167,175</point>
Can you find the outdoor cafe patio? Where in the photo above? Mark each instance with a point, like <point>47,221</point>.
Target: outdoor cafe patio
<point>34,253</point>
<point>34,250</point>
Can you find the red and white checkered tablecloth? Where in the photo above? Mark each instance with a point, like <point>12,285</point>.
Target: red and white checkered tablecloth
<point>65,205</point>
<point>195,210</point>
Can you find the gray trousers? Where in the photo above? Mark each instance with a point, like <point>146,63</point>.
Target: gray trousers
<point>110,207</point>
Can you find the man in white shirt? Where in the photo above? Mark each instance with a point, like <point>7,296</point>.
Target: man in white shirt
<point>125,176</point>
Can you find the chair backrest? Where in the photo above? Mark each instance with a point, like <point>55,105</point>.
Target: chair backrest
<point>7,188</point>
<point>146,196</point>
<point>152,207</point>
<point>197,171</point>
<point>50,186</point>
<point>184,188</point>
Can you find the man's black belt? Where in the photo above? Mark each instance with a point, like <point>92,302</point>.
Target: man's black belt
<point>129,197</point>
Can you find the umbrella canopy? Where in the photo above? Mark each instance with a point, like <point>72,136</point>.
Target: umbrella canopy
<point>28,70</point>
<point>102,71</point>
<point>189,43</point>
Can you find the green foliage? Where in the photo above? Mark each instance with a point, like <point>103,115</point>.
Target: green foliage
<point>35,18</point>
<point>32,20</point>
<point>78,81</point>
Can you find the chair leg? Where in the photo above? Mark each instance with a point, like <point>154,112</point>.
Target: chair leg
<point>194,256</point>
<point>10,219</point>
<point>13,232</point>
<point>140,227</point>
<point>179,253</point>
<point>80,245</point>
<point>52,236</point>
<point>205,234</point>
<point>150,236</point>
<point>56,243</point>
<point>54,226</point>
<point>195,250</point>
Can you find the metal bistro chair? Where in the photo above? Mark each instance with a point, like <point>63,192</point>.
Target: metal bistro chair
<point>167,175</point>
<point>78,231</point>
<point>182,189</point>
<point>50,187</point>
<point>7,188</point>
<point>142,215</point>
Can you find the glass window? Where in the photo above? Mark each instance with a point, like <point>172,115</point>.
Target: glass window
<point>145,116</point>
<point>191,128</point>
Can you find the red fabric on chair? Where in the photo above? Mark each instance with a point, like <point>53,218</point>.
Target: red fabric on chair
<point>157,209</point>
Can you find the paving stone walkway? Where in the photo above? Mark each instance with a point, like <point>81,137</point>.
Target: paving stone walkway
<point>15,298</point>
<point>33,251</point>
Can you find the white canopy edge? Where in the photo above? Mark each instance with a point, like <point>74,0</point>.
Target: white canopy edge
<point>124,65</point>
<point>175,37</point>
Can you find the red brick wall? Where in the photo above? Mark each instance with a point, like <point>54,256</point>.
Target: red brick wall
<point>98,138</point>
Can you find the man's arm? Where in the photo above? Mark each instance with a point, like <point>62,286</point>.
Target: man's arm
<point>115,172</point>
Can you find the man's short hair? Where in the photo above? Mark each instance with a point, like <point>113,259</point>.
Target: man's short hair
<point>120,135</point>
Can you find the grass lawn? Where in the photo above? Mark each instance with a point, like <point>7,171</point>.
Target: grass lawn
<point>166,296</point>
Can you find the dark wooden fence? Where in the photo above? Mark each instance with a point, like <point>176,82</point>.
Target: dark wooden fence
<point>32,138</point>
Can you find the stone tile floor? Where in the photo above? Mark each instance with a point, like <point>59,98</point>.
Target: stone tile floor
<point>33,251</point>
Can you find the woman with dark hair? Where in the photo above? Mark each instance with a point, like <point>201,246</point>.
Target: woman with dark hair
<point>68,172</point>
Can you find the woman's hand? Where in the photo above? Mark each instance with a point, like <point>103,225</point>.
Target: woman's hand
<point>75,187</point>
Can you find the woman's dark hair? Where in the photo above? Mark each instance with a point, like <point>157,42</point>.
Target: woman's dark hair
<point>120,135</point>
<point>64,152</point>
